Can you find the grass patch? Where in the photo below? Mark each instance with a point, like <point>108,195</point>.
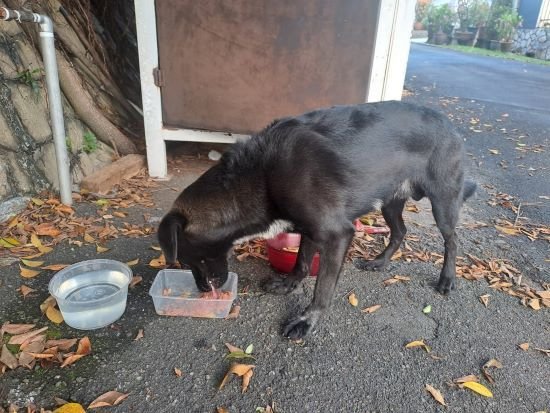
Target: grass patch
<point>52,334</point>
<point>498,53</point>
<point>90,142</point>
<point>13,348</point>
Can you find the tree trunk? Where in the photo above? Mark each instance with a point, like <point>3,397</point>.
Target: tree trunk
<point>97,114</point>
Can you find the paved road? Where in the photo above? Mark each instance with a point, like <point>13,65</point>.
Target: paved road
<point>489,88</point>
<point>355,362</point>
<point>472,76</point>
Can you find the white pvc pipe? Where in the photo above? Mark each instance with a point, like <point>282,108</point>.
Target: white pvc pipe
<point>47,48</point>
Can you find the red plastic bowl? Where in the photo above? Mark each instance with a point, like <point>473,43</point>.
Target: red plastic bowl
<point>284,261</point>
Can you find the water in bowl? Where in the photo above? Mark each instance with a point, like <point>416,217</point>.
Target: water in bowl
<point>91,286</point>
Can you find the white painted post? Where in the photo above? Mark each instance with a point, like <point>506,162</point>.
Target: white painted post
<point>391,50</point>
<point>146,28</point>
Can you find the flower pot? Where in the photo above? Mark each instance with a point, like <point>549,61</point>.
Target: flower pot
<point>418,26</point>
<point>494,45</point>
<point>440,38</point>
<point>464,38</point>
<point>506,47</point>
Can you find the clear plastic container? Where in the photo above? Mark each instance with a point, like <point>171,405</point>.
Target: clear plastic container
<point>91,294</point>
<point>175,293</point>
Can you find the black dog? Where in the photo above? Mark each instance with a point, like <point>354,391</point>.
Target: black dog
<point>316,173</point>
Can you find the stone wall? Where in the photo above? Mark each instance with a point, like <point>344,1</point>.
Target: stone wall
<point>535,42</point>
<point>27,155</point>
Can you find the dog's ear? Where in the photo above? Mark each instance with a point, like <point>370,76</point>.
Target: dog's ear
<point>170,228</point>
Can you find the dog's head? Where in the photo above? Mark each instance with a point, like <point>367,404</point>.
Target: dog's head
<point>207,259</point>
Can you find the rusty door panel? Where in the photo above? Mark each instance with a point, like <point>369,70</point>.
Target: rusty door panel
<point>235,65</point>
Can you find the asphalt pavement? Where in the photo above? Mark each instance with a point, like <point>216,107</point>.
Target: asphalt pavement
<point>354,362</point>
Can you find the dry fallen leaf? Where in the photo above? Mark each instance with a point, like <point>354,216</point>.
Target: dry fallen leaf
<point>396,279</point>
<point>22,338</point>
<point>100,249</point>
<point>24,290</point>
<point>491,363</point>
<point>534,303</point>
<point>464,379</point>
<point>221,409</point>
<point>436,394</point>
<point>478,388</point>
<point>136,279</point>
<point>55,267</point>
<point>54,315</point>
<point>159,262</point>
<point>84,348</point>
<point>133,262</point>
<point>38,244</point>
<point>89,238</point>
<point>70,408</point>
<point>484,299</point>
<point>234,313</point>
<point>371,309</point>
<point>15,328</point>
<point>47,229</point>
<point>139,335</point>
<point>48,302</point>
<point>32,264</point>
<point>524,346</point>
<point>246,380</point>
<point>9,242</point>
<point>494,151</point>
<point>418,343</point>
<point>27,273</point>
<point>177,372</point>
<point>63,344</point>
<point>238,369</point>
<point>111,398</point>
<point>233,349</point>
<point>7,358</point>
<point>353,300</point>
<point>508,230</point>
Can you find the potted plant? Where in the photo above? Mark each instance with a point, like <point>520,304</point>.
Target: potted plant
<point>420,11</point>
<point>463,35</point>
<point>439,20</point>
<point>506,28</point>
<point>497,9</point>
<point>479,12</point>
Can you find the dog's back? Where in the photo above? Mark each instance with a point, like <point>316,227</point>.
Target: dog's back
<point>362,156</point>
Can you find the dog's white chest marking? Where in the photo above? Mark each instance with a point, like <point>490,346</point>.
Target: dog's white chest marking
<point>404,191</point>
<point>276,227</point>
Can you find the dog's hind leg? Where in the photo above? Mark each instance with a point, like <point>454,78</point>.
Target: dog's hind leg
<point>333,248</point>
<point>445,209</point>
<point>393,214</point>
<point>285,285</point>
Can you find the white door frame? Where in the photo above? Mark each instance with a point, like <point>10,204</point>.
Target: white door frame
<point>389,64</point>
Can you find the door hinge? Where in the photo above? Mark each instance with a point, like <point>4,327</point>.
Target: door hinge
<point>157,76</point>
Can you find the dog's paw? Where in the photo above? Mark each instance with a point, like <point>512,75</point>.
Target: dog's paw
<point>376,264</point>
<point>282,285</point>
<point>298,328</point>
<point>445,285</point>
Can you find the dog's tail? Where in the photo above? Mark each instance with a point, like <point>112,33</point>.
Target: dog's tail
<point>468,189</point>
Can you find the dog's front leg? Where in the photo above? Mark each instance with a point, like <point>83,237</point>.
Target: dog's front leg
<point>333,250</point>
<point>285,285</point>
